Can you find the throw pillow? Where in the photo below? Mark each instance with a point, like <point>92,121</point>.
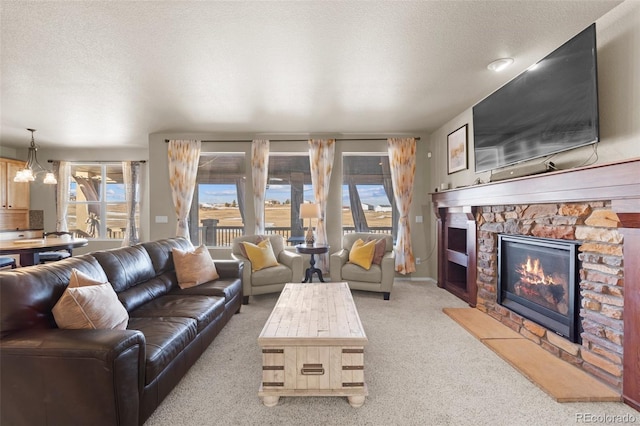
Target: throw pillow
<point>361,253</point>
<point>194,267</point>
<point>260,255</point>
<point>244,250</point>
<point>381,247</point>
<point>89,305</point>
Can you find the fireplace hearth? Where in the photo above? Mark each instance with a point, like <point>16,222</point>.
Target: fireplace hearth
<point>538,279</point>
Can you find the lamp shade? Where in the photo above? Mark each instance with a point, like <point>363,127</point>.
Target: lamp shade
<point>309,211</point>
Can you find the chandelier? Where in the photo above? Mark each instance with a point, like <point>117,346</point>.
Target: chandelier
<point>33,167</point>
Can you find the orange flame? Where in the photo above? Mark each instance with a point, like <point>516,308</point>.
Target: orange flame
<point>533,273</point>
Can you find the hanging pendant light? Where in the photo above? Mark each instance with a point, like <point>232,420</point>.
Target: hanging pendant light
<point>33,167</point>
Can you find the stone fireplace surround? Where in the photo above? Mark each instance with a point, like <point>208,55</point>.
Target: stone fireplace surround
<point>597,205</point>
<point>601,278</point>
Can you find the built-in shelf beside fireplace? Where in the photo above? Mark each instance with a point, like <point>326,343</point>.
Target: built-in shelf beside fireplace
<point>595,207</point>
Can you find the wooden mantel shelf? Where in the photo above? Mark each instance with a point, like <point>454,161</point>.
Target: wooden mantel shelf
<point>612,181</point>
<point>618,182</point>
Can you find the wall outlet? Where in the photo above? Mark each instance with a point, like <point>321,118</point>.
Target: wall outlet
<point>418,219</point>
<point>418,260</point>
<point>162,219</point>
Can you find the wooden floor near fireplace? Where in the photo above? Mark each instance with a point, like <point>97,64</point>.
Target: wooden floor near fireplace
<point>562,381</point>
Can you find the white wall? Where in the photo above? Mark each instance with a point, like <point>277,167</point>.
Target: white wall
<point>618,41</point>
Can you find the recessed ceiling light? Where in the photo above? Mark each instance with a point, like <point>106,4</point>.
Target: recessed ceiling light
<point>500,64</point>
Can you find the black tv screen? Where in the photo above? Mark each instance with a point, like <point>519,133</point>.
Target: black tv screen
<point>551,107</point>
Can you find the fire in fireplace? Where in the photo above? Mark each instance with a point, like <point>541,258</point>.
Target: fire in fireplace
<point>538,279</point>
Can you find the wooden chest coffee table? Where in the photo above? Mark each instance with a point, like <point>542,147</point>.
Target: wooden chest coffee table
<point>313,345</point>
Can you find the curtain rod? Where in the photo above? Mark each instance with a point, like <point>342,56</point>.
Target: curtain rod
<point>98,161</point>
<point>297,140</point>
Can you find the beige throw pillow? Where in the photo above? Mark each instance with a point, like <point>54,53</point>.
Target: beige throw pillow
<point>89,304</point>
<point>194,267</point>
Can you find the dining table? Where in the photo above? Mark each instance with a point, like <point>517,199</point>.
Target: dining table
<point>29,249</point>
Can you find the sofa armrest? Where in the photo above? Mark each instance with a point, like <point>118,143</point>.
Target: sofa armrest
<point>75,376</point>
<point>229,268</point>
<point>336,262</point>
<point>246,273</point>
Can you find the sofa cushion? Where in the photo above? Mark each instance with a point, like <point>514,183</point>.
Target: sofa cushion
<point>126,266</point>
<point>229,288</point>
<point>203,309</point>
<point>160,252</point>
<point>260,255</point>
<point>27,295</point>
<point>194,267</point>
<point>89,304</point>
<point>165,338</point>
<point>351,272</point>
<point>361,253</point>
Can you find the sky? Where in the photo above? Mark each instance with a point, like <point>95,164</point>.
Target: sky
<point>220,194</point>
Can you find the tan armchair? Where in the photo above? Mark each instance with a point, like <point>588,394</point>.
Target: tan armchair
<point>271,279</point>
<point>378,278</point>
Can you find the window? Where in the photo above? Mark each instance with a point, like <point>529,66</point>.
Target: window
<point>97,204</point>
<point>217,213</point>
<point>289,185</point>
<point>368,204</point>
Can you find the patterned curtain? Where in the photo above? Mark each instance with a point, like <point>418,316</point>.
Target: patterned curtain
<point>321,152</point>
<point>131,178</point>
<point>259,170</point>
<point>62,170</point>
<point>402,161</point>
<point>183,168</point>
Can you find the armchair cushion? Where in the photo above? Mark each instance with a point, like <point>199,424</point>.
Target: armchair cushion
<point>260,255</point>
<point>361,253</point>
<point>194,267</point>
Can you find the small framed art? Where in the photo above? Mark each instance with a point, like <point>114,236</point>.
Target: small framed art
<point>457,150</point>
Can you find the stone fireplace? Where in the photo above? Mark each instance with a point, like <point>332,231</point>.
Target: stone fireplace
<point>600,279</point>
<point>596,209</point>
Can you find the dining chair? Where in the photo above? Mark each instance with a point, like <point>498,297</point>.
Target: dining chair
<point>6,262</point>
<point>53,256</point>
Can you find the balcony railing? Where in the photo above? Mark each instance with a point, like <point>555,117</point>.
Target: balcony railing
<point>221,236</point>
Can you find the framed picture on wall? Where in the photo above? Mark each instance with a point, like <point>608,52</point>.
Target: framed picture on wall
<point>457,150</point>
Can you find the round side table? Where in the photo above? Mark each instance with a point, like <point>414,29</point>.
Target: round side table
<point>312,250</point>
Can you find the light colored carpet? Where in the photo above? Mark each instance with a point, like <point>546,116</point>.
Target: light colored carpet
<point>421,368</point>
<point>562,381</point>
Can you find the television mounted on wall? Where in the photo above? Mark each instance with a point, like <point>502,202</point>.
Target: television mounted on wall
<point>549,108</point>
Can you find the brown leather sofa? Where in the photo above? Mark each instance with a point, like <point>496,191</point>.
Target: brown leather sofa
<point>51,376</point>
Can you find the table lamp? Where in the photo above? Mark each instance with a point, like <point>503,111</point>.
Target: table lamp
<point>309,211</point>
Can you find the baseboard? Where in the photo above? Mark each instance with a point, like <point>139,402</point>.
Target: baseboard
<point>416,279</point>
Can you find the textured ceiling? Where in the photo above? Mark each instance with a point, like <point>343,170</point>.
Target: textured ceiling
<point>88,73</point>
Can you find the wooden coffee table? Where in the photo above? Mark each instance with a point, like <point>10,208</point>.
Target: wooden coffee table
<point>313,345</point>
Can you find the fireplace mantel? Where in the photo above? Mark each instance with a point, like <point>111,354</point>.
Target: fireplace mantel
<point>617,182</point>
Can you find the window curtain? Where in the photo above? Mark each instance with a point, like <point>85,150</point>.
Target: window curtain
<point>402,161</point>
<point>183,168</point>
<point>131,179</point>
<point>259,171</point>
<point>62,170</point>
<point>321,153</point>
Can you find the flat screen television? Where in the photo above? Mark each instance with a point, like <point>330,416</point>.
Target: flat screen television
<point>550,108</point>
